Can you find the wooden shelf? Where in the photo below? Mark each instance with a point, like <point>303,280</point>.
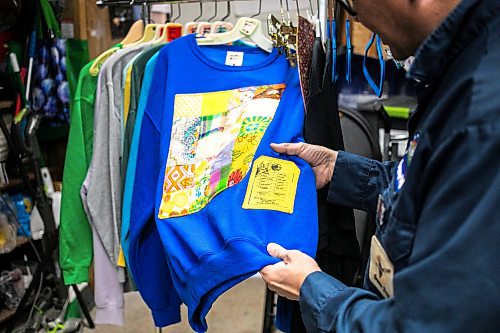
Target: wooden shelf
<point>15,182</point>
<point>20,241</point>
<point>6,314</point>
<point>6,104</point>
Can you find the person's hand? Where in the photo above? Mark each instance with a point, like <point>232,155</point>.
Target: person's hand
<point>285,278</point>
<point>321,159</point>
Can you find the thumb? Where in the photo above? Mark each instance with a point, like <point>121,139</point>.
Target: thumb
<point>288,148</point>
<point>278,251</point>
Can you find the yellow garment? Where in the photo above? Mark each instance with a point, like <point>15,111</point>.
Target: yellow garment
<point>121,259</point>
<point>126,94</point>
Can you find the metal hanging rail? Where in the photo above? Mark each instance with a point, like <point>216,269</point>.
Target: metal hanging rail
<point>104,3</point>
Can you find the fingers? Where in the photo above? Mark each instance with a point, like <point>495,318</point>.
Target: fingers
<point>288,148</point>
<point>271,270</point>
<point>276,277</point>
<point>278,251</point>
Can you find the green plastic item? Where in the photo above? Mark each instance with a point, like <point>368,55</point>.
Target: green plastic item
<point>73,310</point>
<point>50,18</point>
<point>397,112</point>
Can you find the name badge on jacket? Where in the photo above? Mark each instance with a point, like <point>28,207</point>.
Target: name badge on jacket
<point>381,269</point>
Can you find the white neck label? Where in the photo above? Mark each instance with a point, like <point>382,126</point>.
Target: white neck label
<point>234,58</point>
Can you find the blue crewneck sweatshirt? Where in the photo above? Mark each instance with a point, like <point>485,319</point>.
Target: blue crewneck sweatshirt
<point>206,174</point>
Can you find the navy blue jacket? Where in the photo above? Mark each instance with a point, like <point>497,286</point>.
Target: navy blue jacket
<point>441,226</point>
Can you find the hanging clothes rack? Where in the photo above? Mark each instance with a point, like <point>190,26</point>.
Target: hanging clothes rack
<point>104,3</point>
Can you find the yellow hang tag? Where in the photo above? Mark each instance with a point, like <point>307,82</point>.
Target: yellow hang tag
<point>272,185</point>
<point>381,269</point>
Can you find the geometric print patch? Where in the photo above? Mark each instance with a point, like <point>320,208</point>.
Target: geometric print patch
<point>213,142</point>
<point>179,177</point>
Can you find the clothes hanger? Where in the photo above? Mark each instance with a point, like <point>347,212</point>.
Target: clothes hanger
<point>206,27</point>
<point>314,18</point>
<point>223,26</point>
<point>310,12</point>
<point>228,12</point>
<point>149,34</point>
<point>192,27</point>
<point>288,13</point>
<point>215,12</point>
<point>101,59</point>
<point>180,13</point>
<point>135,33</point>
<point>160,31</point>
<point>246,27</point>
<point>173,30</point>
<point>150,29</point>
<point>292,38</point>
<point>322,9</point>
<point>260,10</point>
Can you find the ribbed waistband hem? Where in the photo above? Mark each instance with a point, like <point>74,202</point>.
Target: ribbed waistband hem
<point>239,259</point>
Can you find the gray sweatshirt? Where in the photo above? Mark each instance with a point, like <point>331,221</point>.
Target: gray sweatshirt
<point>101,190</point>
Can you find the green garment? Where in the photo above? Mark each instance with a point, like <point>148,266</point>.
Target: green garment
<point>77,55</point>
<point>75,235</point>
<point>138,68</point>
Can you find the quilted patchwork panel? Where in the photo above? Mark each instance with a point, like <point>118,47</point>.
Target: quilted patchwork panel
<point>214,139</point>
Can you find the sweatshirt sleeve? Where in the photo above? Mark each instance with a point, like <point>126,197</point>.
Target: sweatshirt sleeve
<point>357,181</point>
<point>75,235</point>
<point>147,259</point>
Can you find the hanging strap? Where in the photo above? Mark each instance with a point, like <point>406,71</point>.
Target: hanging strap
<point>334,51</point>
<point>332,35</point>
<point>376,89</point>
<point>349,50</point>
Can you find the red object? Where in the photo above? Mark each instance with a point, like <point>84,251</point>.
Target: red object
<point>174,33</point>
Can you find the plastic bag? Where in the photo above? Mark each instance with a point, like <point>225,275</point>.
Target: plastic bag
<point>50,95</point>
<point>7,235</point>
<point>11,288</point>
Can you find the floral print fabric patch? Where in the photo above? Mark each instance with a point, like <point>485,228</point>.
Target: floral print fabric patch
<point>213,142</point>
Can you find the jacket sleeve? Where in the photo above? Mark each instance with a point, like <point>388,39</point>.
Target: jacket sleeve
<point>451,283</point>
<point>148,262</point>
<point>75,235</point>
<point>357,181</point>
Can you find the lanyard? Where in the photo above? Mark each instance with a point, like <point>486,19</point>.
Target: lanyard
<point>349,50</point>
<point>376,89</point>
<point>333,34</point>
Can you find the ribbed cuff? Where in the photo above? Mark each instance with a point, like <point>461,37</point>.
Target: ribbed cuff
<point>167,316</point>
<point>109,315</point>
